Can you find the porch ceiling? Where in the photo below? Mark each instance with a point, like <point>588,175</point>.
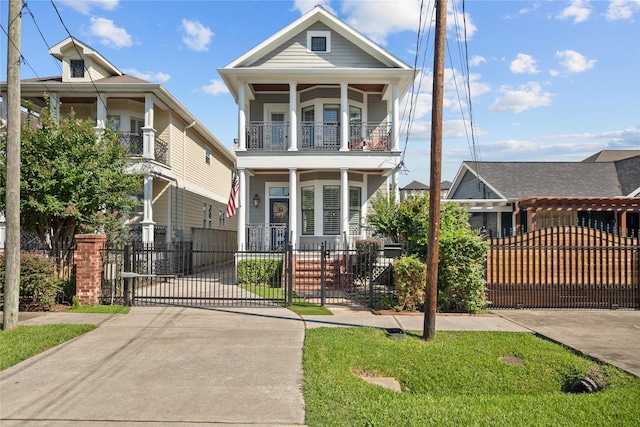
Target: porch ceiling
<point>629,204</point>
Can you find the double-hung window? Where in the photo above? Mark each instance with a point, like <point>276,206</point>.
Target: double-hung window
<point>308,214</point>
<point>331,210</point>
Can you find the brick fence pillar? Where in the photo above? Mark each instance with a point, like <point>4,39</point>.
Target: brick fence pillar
<point>88,263</point>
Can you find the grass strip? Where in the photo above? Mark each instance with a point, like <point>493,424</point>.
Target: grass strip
<point>109,309</point>
<point>24,342</point>
<point>298,305</point>
<point>456,379</point>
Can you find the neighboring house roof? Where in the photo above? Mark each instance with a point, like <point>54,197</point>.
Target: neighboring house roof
<point>445,185</point>
<point>612,155</point>
<point>514,180</point>
<point>87,51</point>
<point>629,175</point>
<point>415,186</point>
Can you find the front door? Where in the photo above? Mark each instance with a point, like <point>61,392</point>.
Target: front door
<point>279,220</point>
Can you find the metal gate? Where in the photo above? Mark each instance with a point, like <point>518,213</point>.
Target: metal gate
<point>181,274</point>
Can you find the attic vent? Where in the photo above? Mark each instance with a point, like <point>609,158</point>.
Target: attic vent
<point>319,41</point>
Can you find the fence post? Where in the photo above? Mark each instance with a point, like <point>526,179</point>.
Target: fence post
<point>89,267</point>
<point>323,274</point>
<point>289,256</point>
<point>370,275</point>
<point>127,281</point>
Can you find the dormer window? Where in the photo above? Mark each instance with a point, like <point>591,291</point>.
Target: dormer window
<point>77,68</point>
<point>319,41</point>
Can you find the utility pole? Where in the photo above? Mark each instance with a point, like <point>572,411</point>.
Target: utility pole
<point>433,236</point>
<point>12,206</point>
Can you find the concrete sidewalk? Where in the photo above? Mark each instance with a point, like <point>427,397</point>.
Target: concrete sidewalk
<point>165,366</point>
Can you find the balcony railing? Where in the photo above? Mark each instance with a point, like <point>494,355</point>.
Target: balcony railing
<point>134,141</point>
<point>318,136</point>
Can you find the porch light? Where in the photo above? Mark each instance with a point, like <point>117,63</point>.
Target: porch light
<point>256,201</point>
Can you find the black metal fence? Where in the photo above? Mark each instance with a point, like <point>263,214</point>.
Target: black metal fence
<point>159,274</point>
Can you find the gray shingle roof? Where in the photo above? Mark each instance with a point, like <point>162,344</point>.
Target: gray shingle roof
<point>612,155</point>
<point>629,174</point>
<point>550,179</point>
<point>415,185</point>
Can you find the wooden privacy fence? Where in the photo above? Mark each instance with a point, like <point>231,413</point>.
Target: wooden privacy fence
<point>564,267</point>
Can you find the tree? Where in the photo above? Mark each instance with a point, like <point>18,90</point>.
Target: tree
<point>68,175</point>
<point>462,251</point>
<point>383,215</point>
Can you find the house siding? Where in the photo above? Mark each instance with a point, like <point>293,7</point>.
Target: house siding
<point>471,188</point>
<point>293,54</point>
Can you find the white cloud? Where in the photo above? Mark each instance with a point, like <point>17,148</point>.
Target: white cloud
<point>622,9</point>
<point>109,33</point>
<point>461,23</point>
<point>523,64</point>
<point>574,62</point>
<point>476,60</point>
<point>149,76</point>
<point>85,6</point>
<point>216,87</point>
<point>378,19</point>
<point>305,6</point>
<point>578,10</point>
<point>521,99</point>
<point>197,36</point>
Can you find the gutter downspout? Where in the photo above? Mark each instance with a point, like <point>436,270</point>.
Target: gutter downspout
<point>184,165</point>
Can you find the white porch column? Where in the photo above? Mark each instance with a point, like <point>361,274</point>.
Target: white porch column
<point>396,185</point>
<point>101,112</point>
<point>54,106</point>
<point>242,118</point>
<point>147,218</point>
<point>242,211</point>
<point>293,206</point>
<point>148,132</point>
<point>344,202</point>
<point>395,121</point>
<point>293,117</point>
<point>344,116</point>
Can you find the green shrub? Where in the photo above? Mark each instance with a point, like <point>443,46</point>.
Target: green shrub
<point>260,271</point>
<point>38,283</point>
<point>363,263</point>
<point>409,275</point>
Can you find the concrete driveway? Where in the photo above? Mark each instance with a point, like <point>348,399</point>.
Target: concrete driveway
<point>612,336</point>
<point>165,366</point>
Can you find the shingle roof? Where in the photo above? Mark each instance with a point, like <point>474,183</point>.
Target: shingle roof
<point>550,179</point>
<point>629,174</point>
<point>612,155</point>
<point>415,185</point>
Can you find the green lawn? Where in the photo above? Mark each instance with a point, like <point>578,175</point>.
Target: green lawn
<point>299,305</point>
<point>456,380</point>
<point>24,342</point>
<point>112,309</point>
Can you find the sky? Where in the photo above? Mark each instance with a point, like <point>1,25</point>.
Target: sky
<point>525,80</point>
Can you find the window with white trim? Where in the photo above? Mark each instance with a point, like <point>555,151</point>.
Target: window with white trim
<point>207,156</point>
<point>319,41</point>
<point>331,210</point>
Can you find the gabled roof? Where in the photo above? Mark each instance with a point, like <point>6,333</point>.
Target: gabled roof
<point>515,180</point>
<point>415,185</point>
<point>629,175</point>
<point>85,50</point>
<point>318,14</point>
<point>612,155</point>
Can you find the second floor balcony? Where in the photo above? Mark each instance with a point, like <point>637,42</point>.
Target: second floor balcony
<point>318,136</point>
<point>135,142</point>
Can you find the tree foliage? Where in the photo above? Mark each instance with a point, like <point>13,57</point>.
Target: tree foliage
<point>68,174</point>
<point>383,215</point>
<point>461,255</point>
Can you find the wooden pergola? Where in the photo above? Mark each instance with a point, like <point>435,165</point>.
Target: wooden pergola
<point>620,205</point>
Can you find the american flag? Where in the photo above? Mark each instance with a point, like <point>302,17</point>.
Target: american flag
<point>233,197</point>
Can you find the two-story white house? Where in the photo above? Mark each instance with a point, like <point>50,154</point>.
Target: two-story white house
<point>187,169</point>
<point>318,118</point>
